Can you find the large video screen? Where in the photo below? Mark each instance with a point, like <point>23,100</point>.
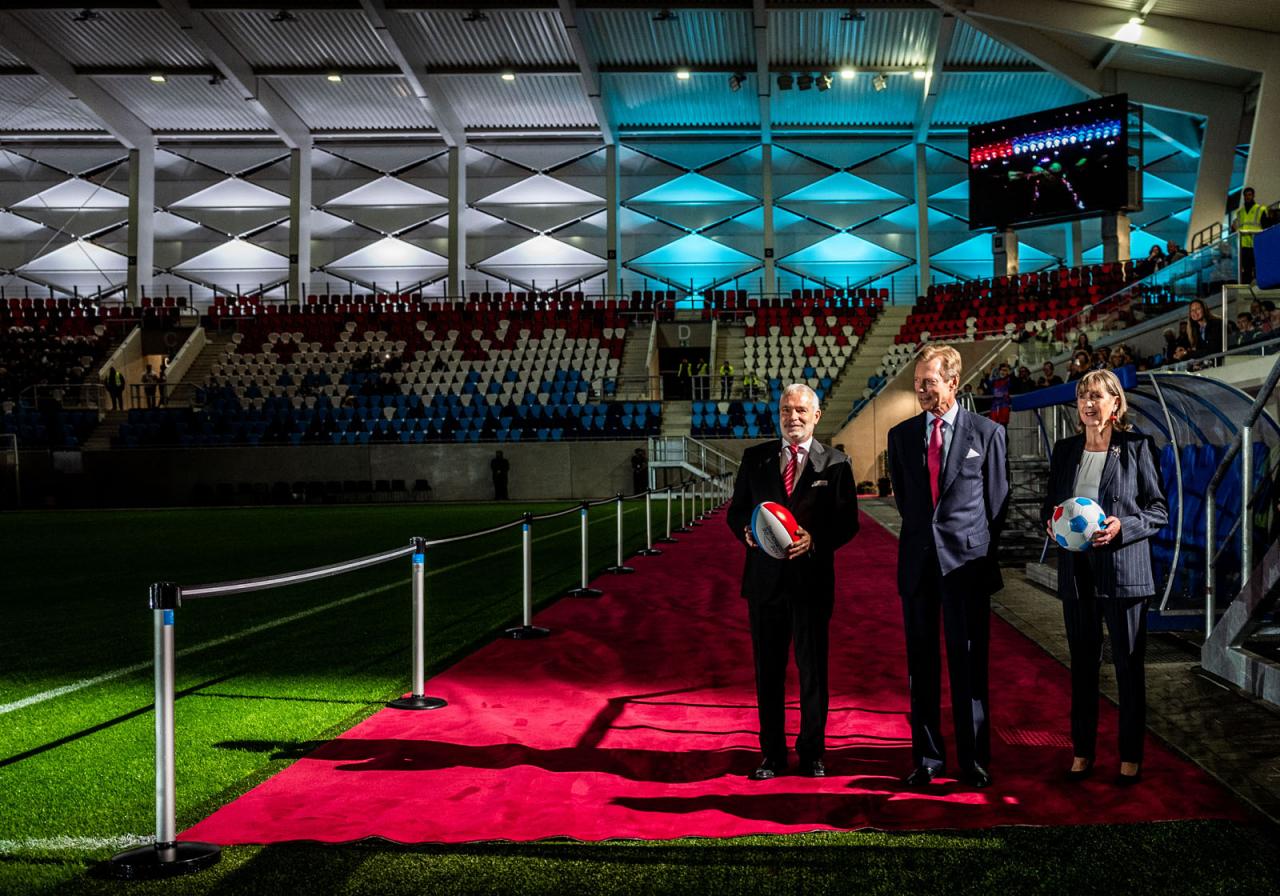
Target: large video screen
<point>1057,165</point>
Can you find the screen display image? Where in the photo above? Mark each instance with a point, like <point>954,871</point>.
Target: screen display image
<point>1057,165</point>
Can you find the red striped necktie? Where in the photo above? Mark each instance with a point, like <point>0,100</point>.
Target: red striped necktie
<point>789,474</point>
<point>935,459</point>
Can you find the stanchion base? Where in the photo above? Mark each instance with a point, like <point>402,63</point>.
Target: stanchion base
<point>683,530</point>
<point>620,570</point>
<point>155,861</point>
<point>583,592</point>
<point>666,540</point>
<point>416,701</point>
<point>648,552</point>
<point>527,632</point>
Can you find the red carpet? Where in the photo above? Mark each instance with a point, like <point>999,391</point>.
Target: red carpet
<point>636,719</point>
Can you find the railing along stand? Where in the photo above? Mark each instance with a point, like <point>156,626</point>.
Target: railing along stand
<point>648,550</point>
<point>667,539</point>
<point>619,569</point>
<point>166,857</point>
<point>684,525</point>
<point>528,630</point>
<point>418,699</point>
<point>585,590</point>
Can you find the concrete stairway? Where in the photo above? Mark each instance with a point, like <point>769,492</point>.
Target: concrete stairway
<point>633,372</point>
<point>847,388</point>
<point>730,344</point>
<point>218,344</point>
<point>108,426</point>
<point>677,418</point>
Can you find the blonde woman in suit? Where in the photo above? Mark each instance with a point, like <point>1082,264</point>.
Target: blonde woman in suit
<point>1111,582</point>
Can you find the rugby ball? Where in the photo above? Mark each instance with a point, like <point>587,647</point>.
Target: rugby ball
<point>773,528</point>
<point>1075,521</point>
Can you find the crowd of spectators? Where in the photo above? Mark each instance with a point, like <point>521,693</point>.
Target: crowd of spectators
<point>33,357</point>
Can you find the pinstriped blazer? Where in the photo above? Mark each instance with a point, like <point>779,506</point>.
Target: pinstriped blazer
<point>1130,490</point>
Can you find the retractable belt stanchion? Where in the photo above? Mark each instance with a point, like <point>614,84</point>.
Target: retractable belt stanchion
<point>684,525</point>
<point>695,518</point>
<point>667,539</point>
<point>166,857</point>
<point>585,590</point>
<point>527,631</point>
<point>619,569</point>
<point>418,699</point>
<point>648,550</point>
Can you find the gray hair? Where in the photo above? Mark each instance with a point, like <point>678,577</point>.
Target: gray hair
<point>810,396</point>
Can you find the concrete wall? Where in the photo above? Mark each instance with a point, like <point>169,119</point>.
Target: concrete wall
<point>158,477</point>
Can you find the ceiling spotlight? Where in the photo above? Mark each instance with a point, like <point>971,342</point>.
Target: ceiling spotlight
<point>216,78</point>
<point>919,74</point>
<point>283,16</point>
<point>682,74</point>
<point>880,82</point>
<point>805,81</point>
<point>824,81</point>
<point>475,15</point>
<point>853,15</point>
<point>86,15</point>
<point>664,15</point>
<point>1137,20</point>
<point>157,77</point>
<point>784,82</point>
<point>736,80</point>
<point>334,77</point>
<point>847,73</point>
<point>508,75</point>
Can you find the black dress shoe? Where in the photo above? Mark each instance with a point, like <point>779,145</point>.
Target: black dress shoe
<point>976,777</point>
<point>921,775</point>
<point>1081,774</point>
<point>813,769</point>
<point>1123,780</point>
<point>768,770</point>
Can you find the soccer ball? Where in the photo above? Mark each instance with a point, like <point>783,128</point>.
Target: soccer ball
<point>773,528</point>
<point>1074,522</point>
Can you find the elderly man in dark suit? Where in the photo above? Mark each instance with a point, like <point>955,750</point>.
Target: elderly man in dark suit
<point>1112,581</point>
<point>792,599</point>
<point>950,480</point>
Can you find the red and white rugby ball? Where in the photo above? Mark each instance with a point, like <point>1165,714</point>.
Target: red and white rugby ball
<point>773,528</point>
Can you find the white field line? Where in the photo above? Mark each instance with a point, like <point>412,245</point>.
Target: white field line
<point>73,844</point>
<point>257,629</point>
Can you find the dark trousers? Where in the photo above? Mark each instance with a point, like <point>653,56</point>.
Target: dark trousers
<point>965,608</point>
<point>1127,624</point>
<point>775,625</point>
<point>1248,268</point>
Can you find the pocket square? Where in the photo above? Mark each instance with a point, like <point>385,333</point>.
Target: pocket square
<point>972,453</point>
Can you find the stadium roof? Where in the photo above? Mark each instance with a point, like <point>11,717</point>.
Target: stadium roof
<point>604,68</point>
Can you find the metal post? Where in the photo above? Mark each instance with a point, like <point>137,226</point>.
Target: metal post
<point>618,569</point>
<point>649,550</point>
<point>528,630</point>
<point>1209,607</point>
<point>667,539</point>
<point>684,525</point>
<point>417,699</point>
<point>585,590</point>
<point>166,857</point>
<point>695,518</point>
<point>1246,522</point>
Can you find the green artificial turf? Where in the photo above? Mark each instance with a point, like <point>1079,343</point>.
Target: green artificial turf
<point>81,765</point>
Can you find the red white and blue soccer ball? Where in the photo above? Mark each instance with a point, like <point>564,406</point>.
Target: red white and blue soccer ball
<point>1075,521</point>
<point>773,528</point>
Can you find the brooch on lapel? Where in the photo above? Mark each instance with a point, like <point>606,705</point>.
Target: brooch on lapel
<point>1115,450</point>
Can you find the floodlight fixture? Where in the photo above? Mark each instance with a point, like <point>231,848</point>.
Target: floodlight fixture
<point>805,81</point>
<point>334,77</point>
<point>157,77</point>
<point>682,74</point>
<point>86,15</point>
<point>880,82</point>
<point>665,15</point>
<point>508,75</point>
<point>283,16</point>
<point>736,80</point>
<point>824,81</point>
<point>848,73</point>
<point>785,81</point>
<point>475,15</point>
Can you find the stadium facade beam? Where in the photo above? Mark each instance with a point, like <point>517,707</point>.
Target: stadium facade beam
<point>273,109</point>
<point>921,181</point>
<point>391,28</point>
<point>943,36</point>
<point>29,47</point>
<point>612,214</point>
<point>589,71</point>
<point>764,94</point>
<point>1213,176</point>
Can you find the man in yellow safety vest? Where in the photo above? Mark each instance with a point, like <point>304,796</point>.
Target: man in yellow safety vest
<point>1249,220</point>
